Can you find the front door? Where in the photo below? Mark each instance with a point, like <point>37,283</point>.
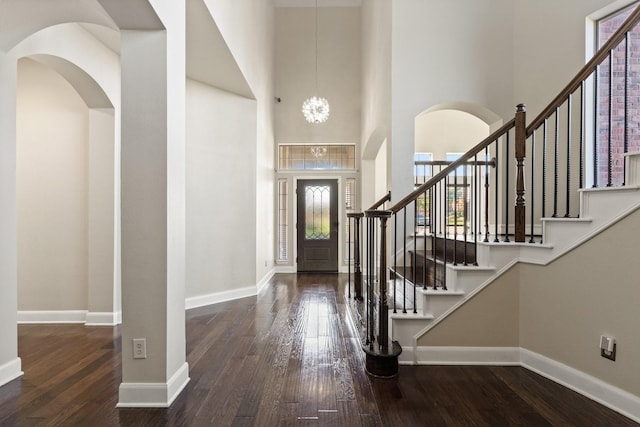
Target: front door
<point>317,225</point>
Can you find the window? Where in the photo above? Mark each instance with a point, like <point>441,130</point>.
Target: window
<point>316,157</point>
<point>457,192</point>
<point>283,215</point>
<point>317,212</point>
<point>611,91</point>
<point>350,206</point>
<point>422,171</point>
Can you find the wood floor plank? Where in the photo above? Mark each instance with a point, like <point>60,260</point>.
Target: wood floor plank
<point>287,357</point>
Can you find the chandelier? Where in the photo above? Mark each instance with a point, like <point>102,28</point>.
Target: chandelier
<point>316,109</point>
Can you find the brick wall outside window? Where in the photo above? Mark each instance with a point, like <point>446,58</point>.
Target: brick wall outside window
<point>611,97</point>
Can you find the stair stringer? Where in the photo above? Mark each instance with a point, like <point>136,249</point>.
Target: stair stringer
<point>600,208</point>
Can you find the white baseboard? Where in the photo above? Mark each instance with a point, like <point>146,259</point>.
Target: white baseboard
<point>265,280</point>
<point>89,318</point>
<point>51,316</point>
<point>96,318</point>
<point>153,395</point>
<point>595,389</point>
<point>216,297</point>
<point>10,371</point>
<point>502,356</point>
<point>286,269</point>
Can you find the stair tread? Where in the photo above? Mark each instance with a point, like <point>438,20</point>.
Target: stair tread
<point>411,315</point>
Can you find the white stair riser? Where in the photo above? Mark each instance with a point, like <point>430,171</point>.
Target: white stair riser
<point>403,330</point>
<point>466,280</point>
<point>599,208</point>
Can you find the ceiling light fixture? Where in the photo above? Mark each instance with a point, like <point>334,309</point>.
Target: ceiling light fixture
<point>316,109</point>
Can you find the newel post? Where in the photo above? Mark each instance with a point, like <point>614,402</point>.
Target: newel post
<point>381,359</point>
<point>521,146</point>
<point>357,252</point>
<point>383,307</point>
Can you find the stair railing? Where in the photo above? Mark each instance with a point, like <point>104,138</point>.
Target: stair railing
<point>580,139</point>
<point>443,219</point>
<point>354,235</point>
<point>481,196</point>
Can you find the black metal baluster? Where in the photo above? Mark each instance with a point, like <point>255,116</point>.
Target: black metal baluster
<point>507,191</point>
<point>582,101</point>
<point>424,241</point>
<point>609,146</point>
<point>544,169</point>
<point>465,217</point>
<point>440,224</point>
<point>496,190</point>
<point>568,190</point>
<point>474,227</point>
<point>434,220</point>
<point>368,313</point>
<point>350,242</point>
<point>444,238</point>
<point>596,140</point>
<point>533,183</point>
<point>404,256</point>
<point>404,237</point>
<point>395,261</point>
<point>626,111</point>
<point>486,195</point>
<point>455,216</point>
<point>556,164</point>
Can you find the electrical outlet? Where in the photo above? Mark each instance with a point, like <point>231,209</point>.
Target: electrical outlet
<point>608,347</point>
<point>139,348</point>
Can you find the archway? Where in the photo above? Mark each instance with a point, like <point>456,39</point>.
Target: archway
<point>452,128</point>
<point>67,242</point>
<point>96,66</point>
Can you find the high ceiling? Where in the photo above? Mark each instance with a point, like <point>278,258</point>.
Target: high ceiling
<point>321,3</point>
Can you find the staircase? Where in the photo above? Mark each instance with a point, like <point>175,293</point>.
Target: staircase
<point>599,209</point>
<point>527,193</point>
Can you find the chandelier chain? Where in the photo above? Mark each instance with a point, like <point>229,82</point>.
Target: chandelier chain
<point>316,109</point>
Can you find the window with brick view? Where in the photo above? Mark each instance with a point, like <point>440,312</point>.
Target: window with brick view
<point>613,120</point>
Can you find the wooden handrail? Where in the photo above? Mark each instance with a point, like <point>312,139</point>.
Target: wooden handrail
<point>491,163</point>
<point>453,166</point>
<point>376,205</point>
<point>587,70</point>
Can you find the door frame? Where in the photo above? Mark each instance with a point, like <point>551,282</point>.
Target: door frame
<point>341,213</point>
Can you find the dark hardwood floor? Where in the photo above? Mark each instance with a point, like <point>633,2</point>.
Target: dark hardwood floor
<point>286,357</point>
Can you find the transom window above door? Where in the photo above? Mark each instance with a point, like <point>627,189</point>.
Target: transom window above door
<point>317,157</point>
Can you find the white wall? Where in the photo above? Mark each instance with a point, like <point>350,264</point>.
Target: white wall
<point>10,364</point>
<point>52,188</point>
<point>248,29</point>
<point>376,69</point>
<point>376,91</point>
<point>67,42</point>
<point>221,199</point>
<point>93,70</point>
<point>448,131</point>
<point>103,280</point>
<point>561,309</point>
<point>444,52</point>
<point>562,43</point>
<point>380,175</point>
<point>339,79</point>
<point>592,291</point>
